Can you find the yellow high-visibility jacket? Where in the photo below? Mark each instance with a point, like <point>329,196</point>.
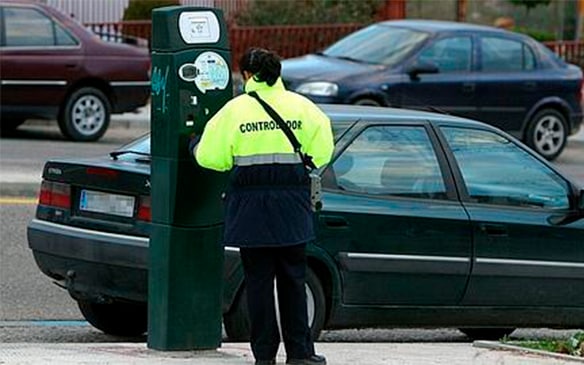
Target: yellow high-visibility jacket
<point>268,202</point>
<point>242,128</point>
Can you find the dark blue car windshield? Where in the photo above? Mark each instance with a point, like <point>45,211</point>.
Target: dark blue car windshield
<point>377,44</point>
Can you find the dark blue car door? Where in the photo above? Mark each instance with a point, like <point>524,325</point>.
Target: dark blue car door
<point>453,88</point>
<point>508,81</point>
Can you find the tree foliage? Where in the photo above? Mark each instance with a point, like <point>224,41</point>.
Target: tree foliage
<point>295,12</point>
<point>142,9</point>
<point>530,4</point>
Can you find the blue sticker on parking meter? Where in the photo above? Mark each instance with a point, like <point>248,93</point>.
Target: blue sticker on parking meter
<point>210,71</point>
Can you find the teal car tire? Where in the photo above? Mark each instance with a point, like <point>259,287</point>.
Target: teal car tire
<point>117,319</point>
<point>236,321</point>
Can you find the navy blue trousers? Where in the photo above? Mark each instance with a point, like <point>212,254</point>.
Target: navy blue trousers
<point>288,265</point>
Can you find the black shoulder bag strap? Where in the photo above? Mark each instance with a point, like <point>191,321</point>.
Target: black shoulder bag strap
<point>306,159</point>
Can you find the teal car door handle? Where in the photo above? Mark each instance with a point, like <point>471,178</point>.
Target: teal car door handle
<point>529,86</point>
<point>333,221</point>
<point>468,87</point>
<point>494,230</point>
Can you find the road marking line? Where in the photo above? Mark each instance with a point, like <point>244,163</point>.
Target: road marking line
<point>44,323</point>
<point>17,200</point>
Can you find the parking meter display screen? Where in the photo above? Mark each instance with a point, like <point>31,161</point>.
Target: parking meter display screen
<point>198,27</point>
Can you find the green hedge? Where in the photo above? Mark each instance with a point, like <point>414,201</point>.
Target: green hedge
<point>538,35</point>
<point>142,9</point>
<point>300,12</point>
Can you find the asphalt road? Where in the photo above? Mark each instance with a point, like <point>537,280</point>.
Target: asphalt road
<point>23,153</point>
<point>31,307</point>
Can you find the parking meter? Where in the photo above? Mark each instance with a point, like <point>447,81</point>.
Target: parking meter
<point>191,81</point>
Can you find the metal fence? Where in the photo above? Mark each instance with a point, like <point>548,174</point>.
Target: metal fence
<point>571,51</point>
<point>290,41</point>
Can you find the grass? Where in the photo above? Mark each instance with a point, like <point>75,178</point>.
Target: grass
<point>572,346</point>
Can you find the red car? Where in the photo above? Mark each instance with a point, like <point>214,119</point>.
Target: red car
<point>54,68</point>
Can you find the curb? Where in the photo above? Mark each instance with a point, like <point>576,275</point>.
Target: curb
<point>494,345</point>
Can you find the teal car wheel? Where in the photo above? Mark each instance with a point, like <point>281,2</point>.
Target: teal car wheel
<point>118,319</point>
<point>236,321</point>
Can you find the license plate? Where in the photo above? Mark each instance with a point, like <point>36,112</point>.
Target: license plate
<point>98,202</point>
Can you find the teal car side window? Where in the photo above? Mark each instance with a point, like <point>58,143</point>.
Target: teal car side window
<point>391,160</point>
<point>497,171</point>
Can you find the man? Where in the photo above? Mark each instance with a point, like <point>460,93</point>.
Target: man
<point>268,208</point>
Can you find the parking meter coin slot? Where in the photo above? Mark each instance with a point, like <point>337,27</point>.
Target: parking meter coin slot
<point>188,72</point>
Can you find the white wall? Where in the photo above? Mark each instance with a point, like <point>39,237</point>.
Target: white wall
<point>98,11</point>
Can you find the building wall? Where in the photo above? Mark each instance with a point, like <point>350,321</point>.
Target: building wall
<point>98,11</point>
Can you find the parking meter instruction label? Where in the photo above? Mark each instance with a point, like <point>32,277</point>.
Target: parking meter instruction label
<point>198,27</point>
<point>210,71</point>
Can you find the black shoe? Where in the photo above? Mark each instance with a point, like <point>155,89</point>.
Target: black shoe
<point>312,360</point>
<point>266,362</point>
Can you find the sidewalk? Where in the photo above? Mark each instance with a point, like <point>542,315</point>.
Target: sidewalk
<point>239,353</point>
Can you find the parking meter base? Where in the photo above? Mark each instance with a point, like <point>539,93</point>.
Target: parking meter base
<point>185,288</point>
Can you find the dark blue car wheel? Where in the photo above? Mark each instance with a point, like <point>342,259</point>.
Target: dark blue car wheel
<point>547,133</point>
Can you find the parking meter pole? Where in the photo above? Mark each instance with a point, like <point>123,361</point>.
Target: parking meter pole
<point>191,81</point>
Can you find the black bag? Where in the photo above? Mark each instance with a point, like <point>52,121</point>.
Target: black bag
<point>306,159</point>
<point>315,183</point>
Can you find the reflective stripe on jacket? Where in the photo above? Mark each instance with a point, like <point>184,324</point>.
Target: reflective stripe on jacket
<point>243,128</point>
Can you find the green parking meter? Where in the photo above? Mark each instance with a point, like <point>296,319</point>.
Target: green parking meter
<point>191,81</point>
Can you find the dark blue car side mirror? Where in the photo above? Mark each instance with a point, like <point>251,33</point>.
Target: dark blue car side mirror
<point>581,201</point>
<point>421,67</point>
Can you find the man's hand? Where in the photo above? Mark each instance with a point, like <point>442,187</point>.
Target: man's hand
<point>193,141</point>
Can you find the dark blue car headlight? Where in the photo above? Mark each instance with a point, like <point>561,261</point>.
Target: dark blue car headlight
<point>318,88</point>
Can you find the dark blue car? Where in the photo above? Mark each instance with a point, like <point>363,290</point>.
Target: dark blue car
<point>503,78</point>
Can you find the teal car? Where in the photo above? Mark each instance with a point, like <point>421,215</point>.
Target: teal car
<point>428,220</point>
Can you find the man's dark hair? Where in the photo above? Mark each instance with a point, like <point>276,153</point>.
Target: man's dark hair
<point>263,64</point>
